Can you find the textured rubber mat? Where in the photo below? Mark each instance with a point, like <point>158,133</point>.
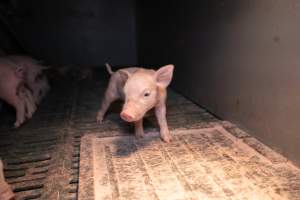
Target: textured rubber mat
<point>209,163</point>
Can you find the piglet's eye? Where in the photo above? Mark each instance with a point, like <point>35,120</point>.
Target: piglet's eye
<point>146,94</point>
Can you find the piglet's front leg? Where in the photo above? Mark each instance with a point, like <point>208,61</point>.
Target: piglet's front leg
<point>139,130</point>
<point>26,96</point>
<point>160,112</point>
<point>20,112</point>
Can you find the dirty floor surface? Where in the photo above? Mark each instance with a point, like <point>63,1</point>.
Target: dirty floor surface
<point>208,163</point>
<point>209,158</point>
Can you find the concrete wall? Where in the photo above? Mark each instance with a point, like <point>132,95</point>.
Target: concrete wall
<point>86,32</point>
<point>239,59</point>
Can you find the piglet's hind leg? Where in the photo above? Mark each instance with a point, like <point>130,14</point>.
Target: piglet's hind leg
<point>109,97</point>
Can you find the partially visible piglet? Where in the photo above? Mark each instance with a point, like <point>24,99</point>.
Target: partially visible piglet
<point>22,91</point>
<point>6,192</point>
<point>142,90</point>
<point>34,75</point>
<point>13,91</point>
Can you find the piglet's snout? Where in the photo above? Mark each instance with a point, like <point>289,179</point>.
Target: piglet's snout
<point>126,116</point>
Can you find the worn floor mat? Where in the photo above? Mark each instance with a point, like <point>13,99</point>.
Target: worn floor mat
<point>209,163</point>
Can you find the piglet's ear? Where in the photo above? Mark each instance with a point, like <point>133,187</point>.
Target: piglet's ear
<point>164,75</point>
<point>124,74</point>
<point>20,72</point>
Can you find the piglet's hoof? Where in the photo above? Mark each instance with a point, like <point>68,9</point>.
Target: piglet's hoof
<point>17,124</point>
<point>99,118</point>
<point>139,135</point>
<point>166,138</point>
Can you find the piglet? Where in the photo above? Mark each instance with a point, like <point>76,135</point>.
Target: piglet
<point>6,192</point>
<point>142,90</point>
<point>13,91</point>
<point>35,77</point>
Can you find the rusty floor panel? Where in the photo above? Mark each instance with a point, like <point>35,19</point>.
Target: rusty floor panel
<point>221,162</point>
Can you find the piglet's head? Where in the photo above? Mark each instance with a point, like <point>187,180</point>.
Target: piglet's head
<point>41,87</point>
<point>38,81</point>
<point>141,91</point>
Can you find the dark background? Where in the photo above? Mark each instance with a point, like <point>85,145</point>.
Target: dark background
<point>83,32</point>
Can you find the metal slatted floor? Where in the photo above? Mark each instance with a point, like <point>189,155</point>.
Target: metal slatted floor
<point>42,157</point>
